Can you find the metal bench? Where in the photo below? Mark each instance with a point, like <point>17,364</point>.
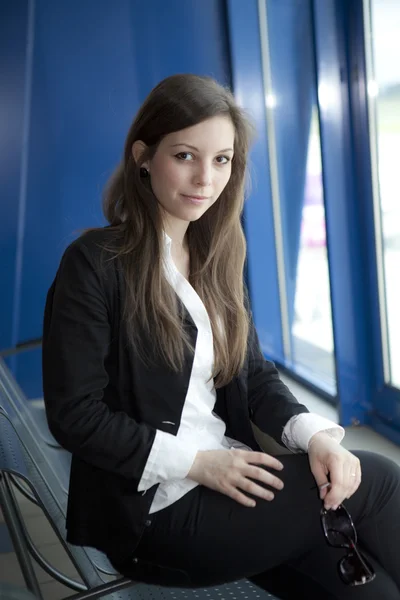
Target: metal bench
<point>28,463</point>
<point>9,591</point>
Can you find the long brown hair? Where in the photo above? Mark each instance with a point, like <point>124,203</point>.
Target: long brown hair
<point>216,241</point>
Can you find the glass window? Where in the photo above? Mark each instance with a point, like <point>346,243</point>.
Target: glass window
<point>382,22</point>
<point>297,189</point>
<point>312,327</point>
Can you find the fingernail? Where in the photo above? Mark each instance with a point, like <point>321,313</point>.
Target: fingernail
<point>328,507</point>
<point>334,507</point>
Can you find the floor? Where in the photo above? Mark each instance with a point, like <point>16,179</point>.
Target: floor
<point>46,541</point>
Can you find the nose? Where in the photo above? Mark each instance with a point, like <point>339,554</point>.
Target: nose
<point>203,175</point>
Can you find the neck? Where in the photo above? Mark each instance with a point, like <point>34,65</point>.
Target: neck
<point>177,232</point>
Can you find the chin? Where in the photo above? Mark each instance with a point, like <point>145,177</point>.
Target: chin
<point>193,214</point>
<point>197,216</point>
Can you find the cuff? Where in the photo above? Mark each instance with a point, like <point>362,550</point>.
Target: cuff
<point>299,430</point>
<point>169,458</point>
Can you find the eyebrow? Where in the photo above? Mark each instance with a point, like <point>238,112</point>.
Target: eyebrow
<point>197,150</point>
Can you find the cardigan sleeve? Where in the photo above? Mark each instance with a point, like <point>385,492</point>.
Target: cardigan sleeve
<point>76,341</point>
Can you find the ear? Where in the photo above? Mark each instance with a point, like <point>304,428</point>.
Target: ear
<point>138,149</point>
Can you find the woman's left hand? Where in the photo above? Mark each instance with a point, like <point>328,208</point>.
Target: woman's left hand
<point>327,456</point>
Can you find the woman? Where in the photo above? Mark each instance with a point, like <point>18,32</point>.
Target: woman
<point>153,374</point>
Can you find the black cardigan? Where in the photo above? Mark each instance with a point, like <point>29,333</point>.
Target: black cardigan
<point>104,406</point>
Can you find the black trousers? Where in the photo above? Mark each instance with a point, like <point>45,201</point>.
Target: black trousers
<point>207,539</point>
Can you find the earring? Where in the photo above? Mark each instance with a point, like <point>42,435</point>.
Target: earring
<point>143,172</point>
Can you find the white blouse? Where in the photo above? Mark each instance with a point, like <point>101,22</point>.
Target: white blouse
<point>171,457</point>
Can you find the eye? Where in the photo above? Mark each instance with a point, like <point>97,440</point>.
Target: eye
<point>223,160</point>
<point>184,156</point>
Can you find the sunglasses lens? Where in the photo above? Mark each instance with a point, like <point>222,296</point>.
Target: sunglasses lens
<point>353,572</point>
<point>337,539</point>
<point>338,527</point>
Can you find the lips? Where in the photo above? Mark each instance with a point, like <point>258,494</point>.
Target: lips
<point>195,197</point>
<point>195,200</point>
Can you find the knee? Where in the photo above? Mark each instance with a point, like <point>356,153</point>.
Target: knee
<point>379,473</point>
<point>377,464</point>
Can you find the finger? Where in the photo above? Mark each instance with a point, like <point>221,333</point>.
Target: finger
<point>255,490</point>
<point>260,474</point>
<point>356,480</point>
<point>237,495</point>
<point>333,500</point>
<point>323,490</point>
<point>261,458</point>
<point>349,485</point>
<point>321,478</point>
<point>351,477</point>
<point>357,484</point>
<point>337,491</point>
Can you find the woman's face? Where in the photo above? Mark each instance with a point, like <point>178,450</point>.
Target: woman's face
<point>191,168</point>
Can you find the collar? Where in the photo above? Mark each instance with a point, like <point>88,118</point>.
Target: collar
<point>167,244</point>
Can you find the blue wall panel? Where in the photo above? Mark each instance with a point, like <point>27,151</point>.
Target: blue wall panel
<point>293,84</point>
<point>384,414</point>
<point>347,264</point>
<point>177,37</point>
<point>92,65</point>
<point>13,38</point>
<point>82,100</point>
<point>259,226</point>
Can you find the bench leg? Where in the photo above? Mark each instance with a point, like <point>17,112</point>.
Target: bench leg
<point>15,529</point>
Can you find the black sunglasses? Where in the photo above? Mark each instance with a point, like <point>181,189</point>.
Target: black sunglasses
<point>339,531</point>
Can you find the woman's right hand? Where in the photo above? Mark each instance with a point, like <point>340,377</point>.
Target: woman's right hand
<point>231,472</point>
